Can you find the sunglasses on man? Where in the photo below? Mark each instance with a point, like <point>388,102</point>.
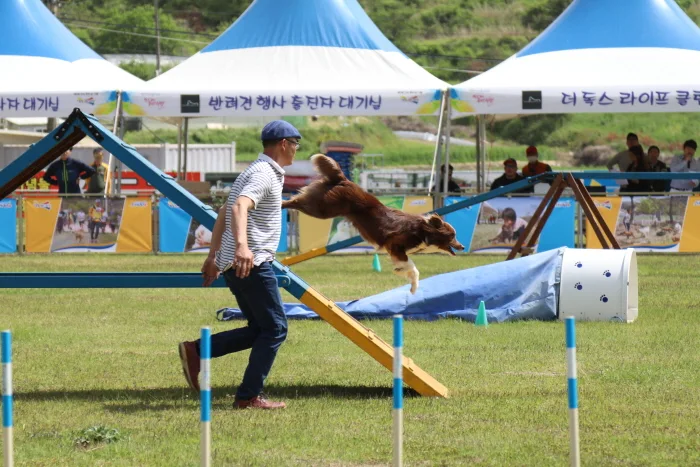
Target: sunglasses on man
<point>296,144</point>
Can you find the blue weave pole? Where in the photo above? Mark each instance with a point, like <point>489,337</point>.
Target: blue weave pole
<point>7,441</point>
<point>205,394</point>
<point>572,383</point>
<point>398,390</point>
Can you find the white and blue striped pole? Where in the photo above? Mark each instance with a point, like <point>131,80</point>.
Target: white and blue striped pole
<point>7,442</point>
<point>398,390</point>
<point>572,383</point>
<point>205,394</point>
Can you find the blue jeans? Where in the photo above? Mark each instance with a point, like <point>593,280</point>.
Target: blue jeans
<point>259,299</point>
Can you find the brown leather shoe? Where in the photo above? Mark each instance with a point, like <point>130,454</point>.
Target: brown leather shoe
<point>257,402</point>
<point>190,363</point>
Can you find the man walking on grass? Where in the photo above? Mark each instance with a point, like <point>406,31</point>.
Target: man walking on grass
<point>243,246</point>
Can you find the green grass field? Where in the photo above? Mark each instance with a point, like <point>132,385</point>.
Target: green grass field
<point>109,357</point>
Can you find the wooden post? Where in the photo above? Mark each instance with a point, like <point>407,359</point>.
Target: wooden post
<point>588,209</point>
<point>535,217</point>
<point>599,218</point>
<point>544,210</point>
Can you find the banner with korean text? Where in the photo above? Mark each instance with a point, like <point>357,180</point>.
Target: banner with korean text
<point>258,104</point>
<point>50,104</point>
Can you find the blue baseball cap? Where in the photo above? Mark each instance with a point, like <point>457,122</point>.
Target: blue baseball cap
<point>279,129</point>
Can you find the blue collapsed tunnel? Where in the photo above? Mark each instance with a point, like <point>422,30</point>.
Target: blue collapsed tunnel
<point>588,284</point>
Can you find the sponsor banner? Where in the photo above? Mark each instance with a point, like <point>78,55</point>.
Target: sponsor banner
<point>621,98</point>
<point>658,223</point>
<point>181,233</point>
<point>8,226</point>
<point>273,104</point>
<point>74,224</point>
<point>317,233</point>
<point>495,225</point>
<point>99,104</point>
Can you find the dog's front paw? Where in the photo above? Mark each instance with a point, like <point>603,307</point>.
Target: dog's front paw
<point>414,277</point>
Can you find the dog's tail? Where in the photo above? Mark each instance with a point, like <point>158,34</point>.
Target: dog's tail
<point>328,168</point>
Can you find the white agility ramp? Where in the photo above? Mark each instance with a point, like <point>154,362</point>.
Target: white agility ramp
<point>599,285</point>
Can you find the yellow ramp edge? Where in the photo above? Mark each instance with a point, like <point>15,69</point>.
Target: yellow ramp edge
<point>303,256</point>
<point>368,341</point>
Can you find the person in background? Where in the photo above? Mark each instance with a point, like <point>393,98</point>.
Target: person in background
<point>685,163</point>
<point>534,166</point>
<point>627,219</point>
<point>99,182</point>
<point>65,173</point>
<point>638,164</point>
<point>655,165</point>
<point>509,176</point>
<point>623,158</point>
<point>452,186</point>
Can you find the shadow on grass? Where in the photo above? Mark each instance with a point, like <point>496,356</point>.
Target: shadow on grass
<point>130,400</point>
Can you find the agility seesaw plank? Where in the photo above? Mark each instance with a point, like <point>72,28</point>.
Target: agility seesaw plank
<point>363,337</point>
<point>316,252</point>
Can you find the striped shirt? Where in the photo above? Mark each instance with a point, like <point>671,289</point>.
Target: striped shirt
<point>261,182</point>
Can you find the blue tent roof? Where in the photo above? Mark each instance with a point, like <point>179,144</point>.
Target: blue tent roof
<point>28,28</point>
<point>313,23</point>
<point>592,24</point>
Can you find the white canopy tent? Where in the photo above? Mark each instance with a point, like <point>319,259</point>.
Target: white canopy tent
<point>294,57</point>
<point>598,56</point>
<point>311,57</point>
<point>45,71</point>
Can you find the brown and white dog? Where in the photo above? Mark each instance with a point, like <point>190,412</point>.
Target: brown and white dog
<point>397,232</point>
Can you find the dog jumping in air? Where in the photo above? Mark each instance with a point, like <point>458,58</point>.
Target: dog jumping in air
<point>397,232</point>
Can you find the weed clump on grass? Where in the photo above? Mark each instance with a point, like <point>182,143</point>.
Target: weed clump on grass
<point>97,436</point>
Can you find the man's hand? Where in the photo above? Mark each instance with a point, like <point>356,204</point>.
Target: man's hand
<point>209,271</point>
<point>243,261</point>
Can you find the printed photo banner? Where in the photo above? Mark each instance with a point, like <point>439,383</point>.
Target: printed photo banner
<point>495,225</point>
<point>180,233</point>
<point>8,226</point>
<point>658,223</point>
<point>317,233</point>
<point>76,225</point>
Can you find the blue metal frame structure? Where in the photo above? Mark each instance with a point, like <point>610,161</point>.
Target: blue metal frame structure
<point>109,280</point>
<point>513,187</point>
